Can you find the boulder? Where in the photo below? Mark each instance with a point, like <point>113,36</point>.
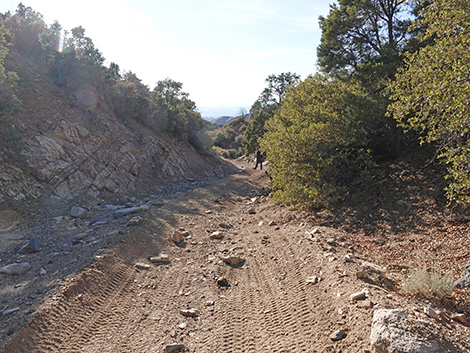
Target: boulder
<point>393,331</point>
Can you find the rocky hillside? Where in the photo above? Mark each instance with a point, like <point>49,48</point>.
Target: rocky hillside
<point>67,143</point>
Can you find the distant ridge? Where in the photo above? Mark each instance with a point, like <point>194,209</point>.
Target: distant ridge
<point>222,120</point>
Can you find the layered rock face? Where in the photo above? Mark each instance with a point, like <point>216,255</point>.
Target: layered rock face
<point>69,149</point>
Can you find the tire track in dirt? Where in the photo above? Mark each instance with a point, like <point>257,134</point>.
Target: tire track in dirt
<point>269,307</point>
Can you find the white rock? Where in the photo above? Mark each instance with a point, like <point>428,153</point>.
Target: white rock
<point>142,266</point>
<point>216,235</point>
<point>42,272</point>
<point>190,312</point>
<point>393,331</point>
<point>357,296</point>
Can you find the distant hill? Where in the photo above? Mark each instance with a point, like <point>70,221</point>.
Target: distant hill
<point>222,120</point>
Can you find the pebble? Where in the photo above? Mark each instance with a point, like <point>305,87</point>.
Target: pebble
<point>357,296</point>
<point>313,280</point>
<point>135,221</point>
<point>177,237</point>
<point>460,318</point>
<point>232,260</point>
<point>216,235</point>
<point>174,348</point>
<point>430,312</point>
<point>142,266</point>
<point>222,282</point>
<point>161,259</point>
<point>338,335</point>
<point>10,311</point>
<point>42,272</point>
<point>190,312</point>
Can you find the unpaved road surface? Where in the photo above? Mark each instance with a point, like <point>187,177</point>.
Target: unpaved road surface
<point>266,303</point>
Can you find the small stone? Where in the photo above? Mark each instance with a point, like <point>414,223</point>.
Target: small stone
<point>76,212</point>
<point>210,303</point>
<point>348,257</point>
<point>208,212</point>
<point>183,325</point>
<point>313,280</point>
<point>272,223</point>
<point>42,272</point>
<point>135,221</point>
<point>338,335</point>
<point>125,211</point>
<point>260,223</point>
<point>177,237</point>
<point>232,260</point>
<point>331,241</point>
<point>161,259</point>
<point>460,318</point>
<point>222,282</point>
<point>80,236</point>
<point>251,211</point>
<point>174,348</point>
<point>16,268</point>
<point>216,235</point>
<point>29,247</point>
<point>357,296</point>
<point>225,225</point>
<point>429,312</point>
<point>190,313</point>
<point>10,311</point>
<point>142,266</point>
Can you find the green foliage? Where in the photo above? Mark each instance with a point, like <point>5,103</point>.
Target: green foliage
<point>428,283</point>
<point>182,117</point>
<point>229,137</point>
<point>131,99</point>
<point>363,36</point>
<point>9,103</point>
<point>315,142</point>
<point>264,108</point>
<point>25,27</point>
<point>432,93</point>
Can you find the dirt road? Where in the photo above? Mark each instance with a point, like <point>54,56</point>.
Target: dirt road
<point>266,303</point>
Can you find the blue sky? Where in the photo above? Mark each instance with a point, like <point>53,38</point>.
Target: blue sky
<point>221,50</point>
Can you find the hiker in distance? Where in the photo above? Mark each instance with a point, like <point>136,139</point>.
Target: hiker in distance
<point>259,159</point>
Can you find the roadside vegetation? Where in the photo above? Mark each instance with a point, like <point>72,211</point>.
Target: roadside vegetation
<point>72,62</point>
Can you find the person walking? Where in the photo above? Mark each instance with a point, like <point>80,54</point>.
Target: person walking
<point>259,159</point>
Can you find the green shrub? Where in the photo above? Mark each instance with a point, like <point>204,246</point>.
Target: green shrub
<point>316,142</point>
<point>428,283</point>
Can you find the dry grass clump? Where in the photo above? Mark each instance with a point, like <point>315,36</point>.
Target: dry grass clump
<point>429,283</point>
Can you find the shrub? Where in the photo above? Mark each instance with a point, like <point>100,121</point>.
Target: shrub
<point>429,283</point>
<point>316,142</point>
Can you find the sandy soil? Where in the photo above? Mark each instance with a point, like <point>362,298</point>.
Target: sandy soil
<point>266,305</point>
